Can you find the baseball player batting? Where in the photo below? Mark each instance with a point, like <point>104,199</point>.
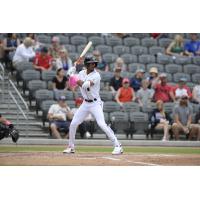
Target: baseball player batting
<point>89,83</point>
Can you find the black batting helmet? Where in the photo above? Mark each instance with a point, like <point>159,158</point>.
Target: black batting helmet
<point>90,59</point>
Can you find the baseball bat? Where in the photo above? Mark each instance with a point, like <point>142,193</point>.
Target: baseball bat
<point>85,50</point>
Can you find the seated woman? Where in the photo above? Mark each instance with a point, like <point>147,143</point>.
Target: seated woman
<point>119,63</point>
<point>60,83</point>
<point>176,47</point>
<point>153,77</point>
<point>11,42</point>
<point>125,93</point>
<point>159,119</point>
<point>64,60</point>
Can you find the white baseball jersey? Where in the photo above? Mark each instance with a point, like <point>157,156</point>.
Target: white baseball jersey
<point>94,89</point>
<point>94,107</point>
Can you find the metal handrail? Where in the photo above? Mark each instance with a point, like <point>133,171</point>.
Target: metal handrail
<point>19,107</point>
<point>20,96</point>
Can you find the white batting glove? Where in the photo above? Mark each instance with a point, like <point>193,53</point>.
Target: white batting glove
<point>86,85</point>
<point>72,70</point>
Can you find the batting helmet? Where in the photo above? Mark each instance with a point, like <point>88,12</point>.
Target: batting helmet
<point>90,59</point>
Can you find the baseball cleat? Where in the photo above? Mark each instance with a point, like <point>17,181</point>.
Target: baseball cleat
<point>117,150</point>
<point>69,150</point>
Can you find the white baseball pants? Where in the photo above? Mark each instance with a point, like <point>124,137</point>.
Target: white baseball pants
<point>96,109</point>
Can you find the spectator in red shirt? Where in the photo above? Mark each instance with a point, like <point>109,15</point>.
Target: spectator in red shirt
<point>163,90</point>
<point>43,61</point>
<point>125,93</point>
<point>181,90</point>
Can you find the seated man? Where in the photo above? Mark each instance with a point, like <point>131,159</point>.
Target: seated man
<point>125,93</point>
<point>43,61</point>
<point>136,81</point>
<point>144,95</point>
<point>192,48</point>
<point>183,120</point>
<point>58,115</point>
<point>163,90</point>
<point>7,128</point>
<point>86,128</point>
<point>24,52</point>
<point>180,90</point>
<point>116,81</point>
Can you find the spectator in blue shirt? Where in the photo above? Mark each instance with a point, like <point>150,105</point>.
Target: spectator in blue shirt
<point>192,48</point>
<point>136,81</point>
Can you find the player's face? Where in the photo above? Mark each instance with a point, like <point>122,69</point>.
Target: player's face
<point>91,66</point>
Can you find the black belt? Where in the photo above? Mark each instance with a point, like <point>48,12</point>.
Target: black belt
<point>90,100</point>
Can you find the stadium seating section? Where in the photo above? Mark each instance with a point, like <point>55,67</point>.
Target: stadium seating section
<point>137,50</point>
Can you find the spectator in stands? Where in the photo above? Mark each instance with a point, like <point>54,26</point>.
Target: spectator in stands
<point>159,119</point>
<point>176,47</point>
<point>116,81</point>
<point>197,117</point>
<point>144,95</point>
<point>55,48</point>
<point>102,65</point>
<point>136,81</point>
<point>192,48</point>
<point>196,93</point>
<point>153,78</point>
<point>125,93</point>
<point>59,115</point>
<point>24,52</point>
<point>180,90</point>
<point>163,90</point>
<point>86,128</point>
<point>183,120</point>
<point>60,82</point>
<point>158,35</point>
<point>36,44</point>
<point>119,63</point>
<point>64,60</point>
<point>1,51</point>
<point>155,35</point>
<point>11,42</point>
<point>43,61</point>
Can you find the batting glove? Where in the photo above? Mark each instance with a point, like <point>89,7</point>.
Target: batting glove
<point>71,71</point>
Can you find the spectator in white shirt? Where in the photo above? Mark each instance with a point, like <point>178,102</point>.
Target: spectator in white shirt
<point>196,93</point>
<point>58,115</point>
<point>181,90</point>
<point>24,52</point>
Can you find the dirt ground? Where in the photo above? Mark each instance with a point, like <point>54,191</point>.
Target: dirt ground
<point>97,159</point>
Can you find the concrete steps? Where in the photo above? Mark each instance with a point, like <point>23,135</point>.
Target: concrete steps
<point>31,128</point>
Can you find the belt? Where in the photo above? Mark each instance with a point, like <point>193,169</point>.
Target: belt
<point>90,100</point>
